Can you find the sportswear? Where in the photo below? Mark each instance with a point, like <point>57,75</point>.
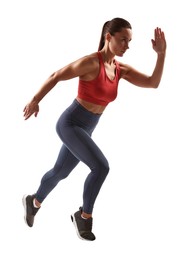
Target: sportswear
<point>83,226</point>
<point>29,209</point>
<point>101,90</point>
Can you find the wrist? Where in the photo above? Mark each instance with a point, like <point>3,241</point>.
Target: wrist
<point>162,54</point>
<point>35,99</point>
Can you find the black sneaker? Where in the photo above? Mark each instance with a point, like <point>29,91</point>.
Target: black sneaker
<point>30,210</point>
<point>83,226</point>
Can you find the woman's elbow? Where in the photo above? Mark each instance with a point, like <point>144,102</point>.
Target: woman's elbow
<point>154,83</point>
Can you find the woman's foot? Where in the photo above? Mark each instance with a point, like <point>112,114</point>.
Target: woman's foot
<point>29,209</point>
<point>83,226</point>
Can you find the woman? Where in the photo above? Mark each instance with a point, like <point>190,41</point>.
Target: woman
<point>99,74</point>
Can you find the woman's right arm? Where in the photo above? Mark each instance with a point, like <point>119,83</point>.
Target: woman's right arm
<point>77,68</point>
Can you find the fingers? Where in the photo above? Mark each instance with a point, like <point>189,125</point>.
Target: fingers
<point>159,34</point>
<point>159,42</point>
<point>35,114</point>
<point>27,113</point>
<point>30,110</point>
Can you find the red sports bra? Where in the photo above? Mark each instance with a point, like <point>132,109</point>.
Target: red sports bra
<point>101,90</point>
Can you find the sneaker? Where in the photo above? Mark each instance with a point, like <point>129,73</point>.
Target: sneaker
<point>30,210</point>
<point>83,226</point>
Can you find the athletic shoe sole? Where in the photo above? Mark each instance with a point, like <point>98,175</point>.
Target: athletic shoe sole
<point>25,208</point>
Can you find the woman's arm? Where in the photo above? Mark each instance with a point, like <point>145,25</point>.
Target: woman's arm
<point>142,80</point>
<point>79,68</point>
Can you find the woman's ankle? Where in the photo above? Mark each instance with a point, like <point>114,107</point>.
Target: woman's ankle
<point>36,203</point>
<point>86,215</point>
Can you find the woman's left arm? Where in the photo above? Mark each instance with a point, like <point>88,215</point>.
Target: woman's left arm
<point>142,80</point>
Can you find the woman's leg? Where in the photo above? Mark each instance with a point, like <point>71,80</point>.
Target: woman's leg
<point>81,145</point>
<point>65,163</point>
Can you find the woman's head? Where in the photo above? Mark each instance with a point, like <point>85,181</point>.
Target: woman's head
<point>112,27</point>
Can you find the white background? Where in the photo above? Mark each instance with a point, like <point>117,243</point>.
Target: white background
<point>143,210</point>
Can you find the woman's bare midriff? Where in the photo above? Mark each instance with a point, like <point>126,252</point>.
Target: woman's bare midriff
<point>96,109</point>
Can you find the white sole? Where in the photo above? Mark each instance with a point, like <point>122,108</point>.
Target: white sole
<point>25,207</point>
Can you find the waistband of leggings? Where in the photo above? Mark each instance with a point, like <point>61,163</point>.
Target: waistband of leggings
<point>77,104</point>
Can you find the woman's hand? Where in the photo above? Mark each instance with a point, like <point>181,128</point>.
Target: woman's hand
<point>31,108</point>
<point>159,42</point>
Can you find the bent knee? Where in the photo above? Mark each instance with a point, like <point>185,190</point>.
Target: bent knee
<point>102,167</point>
<point>106,168</point>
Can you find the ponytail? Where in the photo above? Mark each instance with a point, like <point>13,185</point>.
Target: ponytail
<point>102,38</point>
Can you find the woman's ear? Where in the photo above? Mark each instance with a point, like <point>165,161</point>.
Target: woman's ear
<point>108,36</point>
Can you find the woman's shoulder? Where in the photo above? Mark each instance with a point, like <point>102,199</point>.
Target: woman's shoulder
<point>88,66</point>
<point>89,62</point>
<point>90,58</point>
<point>124,68</point>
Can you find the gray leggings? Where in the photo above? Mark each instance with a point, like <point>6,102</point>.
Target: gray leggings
<point>75,127</point>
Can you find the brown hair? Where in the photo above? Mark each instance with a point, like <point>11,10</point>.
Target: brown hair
<point>113,26</point>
